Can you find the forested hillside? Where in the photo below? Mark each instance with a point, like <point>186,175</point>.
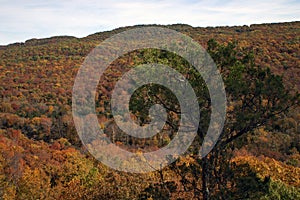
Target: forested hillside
<point>257,156</point>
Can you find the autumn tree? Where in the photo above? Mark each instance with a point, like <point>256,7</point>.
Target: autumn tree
<point>255,96</point>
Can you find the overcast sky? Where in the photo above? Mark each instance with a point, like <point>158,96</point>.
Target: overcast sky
<point>24,19</point>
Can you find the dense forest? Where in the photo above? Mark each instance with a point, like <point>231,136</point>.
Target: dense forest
<point>256,157</point>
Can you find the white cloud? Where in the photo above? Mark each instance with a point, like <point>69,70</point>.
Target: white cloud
<point>25,19</point>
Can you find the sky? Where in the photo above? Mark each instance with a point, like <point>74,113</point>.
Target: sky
<point>25,19</point>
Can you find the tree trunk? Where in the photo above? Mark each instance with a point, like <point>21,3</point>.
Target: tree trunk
<point>205,191</point>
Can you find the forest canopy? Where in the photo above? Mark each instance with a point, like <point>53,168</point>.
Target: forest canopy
<point>256,157</point>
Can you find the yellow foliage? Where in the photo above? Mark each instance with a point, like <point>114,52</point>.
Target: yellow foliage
<point>51,109</point>
<point>230,108</point>
<point>269,167</point>
<point>9,192</point>
<point>36,120</point>
<point>34,184</point>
